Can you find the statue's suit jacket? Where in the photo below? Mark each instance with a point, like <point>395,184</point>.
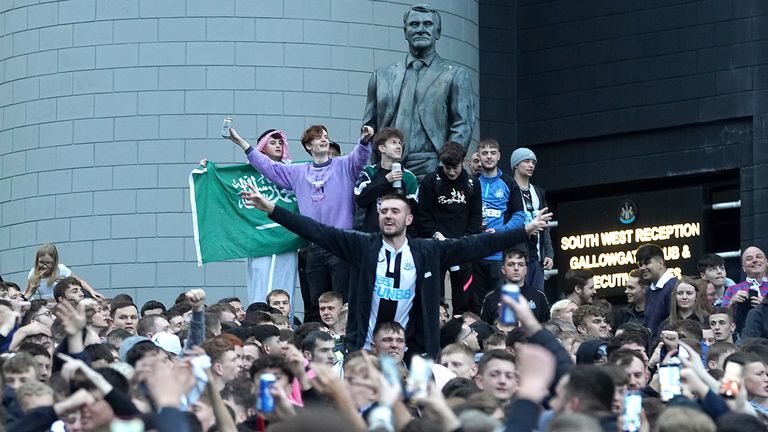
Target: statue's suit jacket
<point>443,97</point>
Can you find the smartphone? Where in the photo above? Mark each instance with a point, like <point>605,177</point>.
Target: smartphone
<point>418,378</point>
<point>633,407</point>
<point>729,385</point>
<point>669,380</point>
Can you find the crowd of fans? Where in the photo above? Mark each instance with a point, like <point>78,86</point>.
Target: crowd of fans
<point>73,360</point>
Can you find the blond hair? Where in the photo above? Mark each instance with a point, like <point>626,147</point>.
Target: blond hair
<point>52,274</point>
<point>20,363</point>
<point>31,389</point>
<point>458,348</point>
<point>680,419</point>
<point>558,306</point>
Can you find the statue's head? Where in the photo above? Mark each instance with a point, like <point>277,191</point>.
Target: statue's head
<point>422,27</point>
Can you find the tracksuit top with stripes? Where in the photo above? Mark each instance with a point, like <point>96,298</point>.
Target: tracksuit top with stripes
<point>497,213</point>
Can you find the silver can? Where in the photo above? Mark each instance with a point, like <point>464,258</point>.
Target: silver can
<point>225,127</point>
<point>396,167</point>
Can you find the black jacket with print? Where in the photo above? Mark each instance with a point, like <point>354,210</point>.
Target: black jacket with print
<point>452,207</point>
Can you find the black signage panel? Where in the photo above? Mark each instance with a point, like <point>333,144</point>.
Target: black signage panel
<point>602,234</point>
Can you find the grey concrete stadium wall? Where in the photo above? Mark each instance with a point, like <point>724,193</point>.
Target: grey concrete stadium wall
<point>106,106</point>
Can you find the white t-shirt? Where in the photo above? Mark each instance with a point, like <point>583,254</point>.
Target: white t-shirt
<point>45,291</point>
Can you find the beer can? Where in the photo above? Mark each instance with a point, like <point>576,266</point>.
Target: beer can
<point>396,167</point>
<point>507,315</point>
<point>225,127</point>
<point>265,402</point>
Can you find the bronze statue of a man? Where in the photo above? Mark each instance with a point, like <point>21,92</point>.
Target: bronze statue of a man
<point>428,98</point>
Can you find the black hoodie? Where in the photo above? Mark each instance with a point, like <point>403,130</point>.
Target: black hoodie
<point>452,207</point>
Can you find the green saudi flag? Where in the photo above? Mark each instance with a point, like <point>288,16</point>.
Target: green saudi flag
<point>225,227</point>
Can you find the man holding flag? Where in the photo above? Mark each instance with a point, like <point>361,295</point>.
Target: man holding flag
<point>266,273</point>
<point>271,250</point>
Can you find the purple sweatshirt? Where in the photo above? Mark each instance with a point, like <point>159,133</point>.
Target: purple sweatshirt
<point>324,192</point>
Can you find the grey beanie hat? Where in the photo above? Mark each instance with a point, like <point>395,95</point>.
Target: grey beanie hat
<point>520,155</point>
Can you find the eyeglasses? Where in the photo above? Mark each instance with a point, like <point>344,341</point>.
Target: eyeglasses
<point>46,313</point>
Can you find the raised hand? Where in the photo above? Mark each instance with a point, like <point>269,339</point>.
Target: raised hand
<point>71,366</point>
<point>235,138</point>
<point>167,392</point>
<point>539,222</point>
<point>524,314</point>
<point>33,328</point>
<point>284,409</point>
<point>327,383</point>
<point>73,319</point>
<point>76,401</point>
<point>693,362</point>
<point>256,199</point>
<point>295,360</point>
<point>366,134</point>
<point>196,297</point>
<point>670,339</point>
<point>436,404</point>
<point>8,321</point>
<point>536,369</point>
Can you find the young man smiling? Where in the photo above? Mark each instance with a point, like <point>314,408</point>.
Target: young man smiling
<point>634,311</point>
<point>378,180</point>
<point>591,320</point>
<point>394,278</point>
<point>496,189</point>
<point>389,339</point>
<point>324,191</point>
<point>745,295</point>
<point>661,281</point>
<point>580,286</point>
